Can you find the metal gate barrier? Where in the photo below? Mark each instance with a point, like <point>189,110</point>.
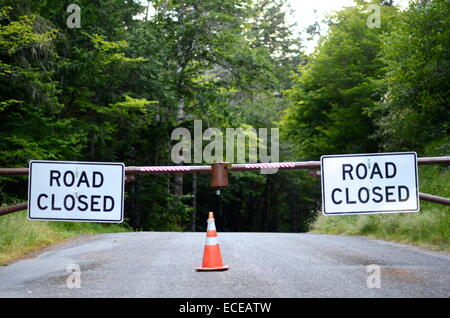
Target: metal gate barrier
<point>219,174</point>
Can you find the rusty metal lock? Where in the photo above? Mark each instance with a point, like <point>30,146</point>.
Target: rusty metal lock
<point>219,175</point>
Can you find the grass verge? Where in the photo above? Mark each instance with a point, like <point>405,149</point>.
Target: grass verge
<point>20,236</point>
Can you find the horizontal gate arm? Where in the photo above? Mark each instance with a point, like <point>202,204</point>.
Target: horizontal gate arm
<point>233,167</point>
<point>13,208</point>
<point>13,171</point>
<point>433,160</point>
<point>166,169</point>
<point>276,165</point>
<point>434,198</point>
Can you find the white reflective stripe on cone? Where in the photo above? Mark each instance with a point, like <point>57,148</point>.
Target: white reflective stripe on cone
<point>211,225</point>
<point>212,240</point>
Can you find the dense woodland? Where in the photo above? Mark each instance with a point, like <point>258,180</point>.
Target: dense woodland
<point>115,88</point>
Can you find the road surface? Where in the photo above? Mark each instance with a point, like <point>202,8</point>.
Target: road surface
<point>162,264</point>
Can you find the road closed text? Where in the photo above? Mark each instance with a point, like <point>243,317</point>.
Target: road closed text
<point>376,194</point>
<point>76,191</point>
<point>369,183</point>
<point>78,202</point>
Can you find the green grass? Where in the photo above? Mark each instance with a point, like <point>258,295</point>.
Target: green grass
<point>429,228</point>
<point>20,236</point>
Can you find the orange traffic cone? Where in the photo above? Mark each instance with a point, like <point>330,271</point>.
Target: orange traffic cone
<point>212,260</point>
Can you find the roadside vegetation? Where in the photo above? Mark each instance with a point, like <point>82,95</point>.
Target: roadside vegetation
<point>19,236</point>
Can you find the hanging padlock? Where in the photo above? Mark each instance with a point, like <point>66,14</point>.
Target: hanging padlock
<point>219,175</point>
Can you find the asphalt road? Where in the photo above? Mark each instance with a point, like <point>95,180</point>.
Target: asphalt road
<point>160,264</point>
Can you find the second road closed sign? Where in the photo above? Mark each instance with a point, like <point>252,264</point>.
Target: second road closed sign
<point>76,191</point>
<point>369,183</point>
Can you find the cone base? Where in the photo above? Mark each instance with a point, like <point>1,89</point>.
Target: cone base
<point>221,268</point>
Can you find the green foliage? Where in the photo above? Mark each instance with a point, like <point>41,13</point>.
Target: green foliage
<point>21,34</point>
<point>333,92</point>
<point>29,102</point>
<point>415,108</point>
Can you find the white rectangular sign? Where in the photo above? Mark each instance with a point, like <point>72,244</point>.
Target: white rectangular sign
<point>76,191</point>
<point>369,183</point>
